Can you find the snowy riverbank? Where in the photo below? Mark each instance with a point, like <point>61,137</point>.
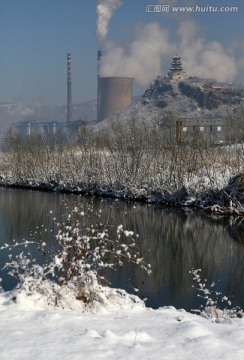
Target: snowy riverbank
<point>131,159</point>
<point>118,330</point>
<point>197,195</point>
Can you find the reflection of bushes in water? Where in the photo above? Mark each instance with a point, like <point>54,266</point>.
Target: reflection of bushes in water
<point>236,229</point>
<point>22,211</point>
<point>234,225</point>
<point>177,241</point>
<point>181,242</point>
<point>180,239</point>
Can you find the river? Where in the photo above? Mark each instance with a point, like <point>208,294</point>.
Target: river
<point>173,242</point>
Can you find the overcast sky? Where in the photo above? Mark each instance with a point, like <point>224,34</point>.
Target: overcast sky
<point>36,35</point>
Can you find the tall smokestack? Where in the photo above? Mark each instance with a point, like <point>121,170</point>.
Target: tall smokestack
<point>69,94</point>
<point>99,56</point>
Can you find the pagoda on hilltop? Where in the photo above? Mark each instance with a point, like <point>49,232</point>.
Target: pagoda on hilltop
<point>176,70</point>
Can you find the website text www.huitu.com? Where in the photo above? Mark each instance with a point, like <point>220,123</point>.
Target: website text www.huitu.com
<point>191,9</point>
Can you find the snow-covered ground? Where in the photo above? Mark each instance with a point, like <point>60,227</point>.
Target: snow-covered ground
<point>121,329</point>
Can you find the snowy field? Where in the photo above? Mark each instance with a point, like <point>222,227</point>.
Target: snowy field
<point>118,330</point>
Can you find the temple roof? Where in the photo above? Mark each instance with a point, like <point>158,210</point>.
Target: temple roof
<point>176,64</point>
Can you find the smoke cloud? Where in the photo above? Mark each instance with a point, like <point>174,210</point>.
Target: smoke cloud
<point>202,58</point>
<point>144,58</point>
<point>236,49</point>
<point>105,10</point>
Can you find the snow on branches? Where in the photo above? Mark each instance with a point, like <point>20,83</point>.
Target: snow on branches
<point>82,249</point>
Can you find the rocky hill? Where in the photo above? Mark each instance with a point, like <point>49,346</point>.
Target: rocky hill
<point>193,94</point>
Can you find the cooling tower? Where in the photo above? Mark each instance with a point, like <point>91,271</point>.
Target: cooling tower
<point>114,94</point>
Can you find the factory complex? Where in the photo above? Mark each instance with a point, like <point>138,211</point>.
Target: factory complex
<point>198,103</point>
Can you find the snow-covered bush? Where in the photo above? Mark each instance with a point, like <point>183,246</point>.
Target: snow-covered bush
<point>82,249</point>
<point>129,155</point>
<point>218,306</point>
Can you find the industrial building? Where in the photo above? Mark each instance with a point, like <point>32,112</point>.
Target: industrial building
<point>113,94</point>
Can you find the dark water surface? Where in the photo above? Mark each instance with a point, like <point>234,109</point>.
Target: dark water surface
<point>177,242</point>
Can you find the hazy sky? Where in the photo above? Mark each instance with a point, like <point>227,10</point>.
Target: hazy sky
<point>36,35</point>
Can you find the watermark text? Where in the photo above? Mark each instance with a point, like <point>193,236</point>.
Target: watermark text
<point>191,9</point>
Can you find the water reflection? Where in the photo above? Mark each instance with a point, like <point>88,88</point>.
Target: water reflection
<point>177,242</point>
<point>236,229</point>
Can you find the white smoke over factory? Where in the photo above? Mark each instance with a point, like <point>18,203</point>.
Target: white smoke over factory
<point>114,92</point>
<point>105,10</point>
<point>202,58</point>
<point>149,52</point>
<point>151,48</point>
<point>142,60</point>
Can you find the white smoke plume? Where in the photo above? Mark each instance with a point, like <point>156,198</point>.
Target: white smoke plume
<point>105,10</point>
<point>236,49</point>
<point>145,56</point>
<point>202,58</point>
<point>142,60</point>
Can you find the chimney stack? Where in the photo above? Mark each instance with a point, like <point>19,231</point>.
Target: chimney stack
<point>99,56</point>
<point>69,94</point>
